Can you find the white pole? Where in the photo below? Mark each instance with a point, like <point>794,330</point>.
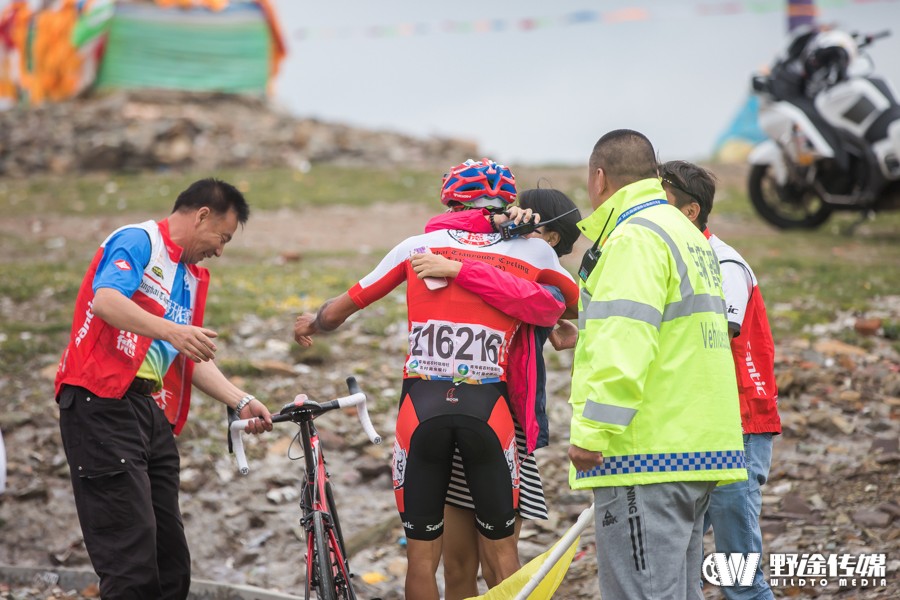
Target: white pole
<point>584,520</point>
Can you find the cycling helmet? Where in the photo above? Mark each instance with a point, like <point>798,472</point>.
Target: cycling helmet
<point>481,183</point>
<point>831,53</point>
<point>799,40</point>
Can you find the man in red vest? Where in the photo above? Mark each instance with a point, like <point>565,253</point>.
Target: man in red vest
<point>124,382</point>
<point>734,509</point>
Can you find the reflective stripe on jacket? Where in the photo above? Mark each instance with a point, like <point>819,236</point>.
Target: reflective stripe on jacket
<point>653,385</point>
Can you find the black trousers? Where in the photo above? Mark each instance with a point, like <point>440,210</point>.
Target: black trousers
<point>125,474</point>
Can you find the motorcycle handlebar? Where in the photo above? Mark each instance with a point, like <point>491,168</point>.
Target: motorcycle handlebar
<point>868,38</point>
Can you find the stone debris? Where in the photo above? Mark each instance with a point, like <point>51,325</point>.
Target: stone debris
<point>151,130</point>
<point>833,486</point>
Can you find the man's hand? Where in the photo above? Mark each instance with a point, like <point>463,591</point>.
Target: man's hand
<point>304,328</point>
<point>564,335</point>
<point>329,317</point>
<point>584,460</point>
<point>517,215</point>
<point>194,342</point>
<point>262,421</point>
<point>434,265</point>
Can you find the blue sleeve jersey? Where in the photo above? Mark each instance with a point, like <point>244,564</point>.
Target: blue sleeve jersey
<point>125,256</point>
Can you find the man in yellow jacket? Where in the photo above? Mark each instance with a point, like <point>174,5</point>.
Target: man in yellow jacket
<point>655,423</point>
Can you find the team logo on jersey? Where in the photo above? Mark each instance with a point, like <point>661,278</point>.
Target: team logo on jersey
<point>398,465</point>
<point>462,369</point>
<point>157,271</point>
<point>474,239</point>
<point>451,395</point>
<point>122,264</point>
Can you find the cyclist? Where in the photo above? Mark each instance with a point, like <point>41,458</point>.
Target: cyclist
<point>454,390</point>
<point>526,382</point>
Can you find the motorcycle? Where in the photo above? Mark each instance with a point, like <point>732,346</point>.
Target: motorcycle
<point>831,148</point>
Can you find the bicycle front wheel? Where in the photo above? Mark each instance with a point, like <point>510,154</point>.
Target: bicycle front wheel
<point>323,575</point>
<point>342,584</point>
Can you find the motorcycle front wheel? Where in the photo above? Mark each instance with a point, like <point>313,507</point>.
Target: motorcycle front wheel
<point>785,207</point>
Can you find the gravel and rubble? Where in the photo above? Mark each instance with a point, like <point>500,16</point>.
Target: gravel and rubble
<point>833,488</point>
<point>160,129</point>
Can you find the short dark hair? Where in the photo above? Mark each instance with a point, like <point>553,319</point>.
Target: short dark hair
<point>690,183</point>
<point>550,203</point>
<point>626,156</point>
<point>217,195</point>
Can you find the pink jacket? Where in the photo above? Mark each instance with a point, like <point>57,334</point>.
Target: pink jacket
<point>527,301</point>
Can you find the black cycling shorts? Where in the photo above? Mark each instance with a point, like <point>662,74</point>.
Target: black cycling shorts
<point>435,416</point>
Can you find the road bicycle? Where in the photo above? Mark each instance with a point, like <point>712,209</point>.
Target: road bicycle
<point>327,567</point>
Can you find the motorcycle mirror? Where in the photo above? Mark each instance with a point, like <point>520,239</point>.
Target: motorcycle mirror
<point>760,83</point>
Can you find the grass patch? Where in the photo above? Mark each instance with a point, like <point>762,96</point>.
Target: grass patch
<point>269,290</point>
<point>266,189</point>
<point>270,189</point>
<point>806,277</point>
<point>36,302</point>
<point>24,281</point>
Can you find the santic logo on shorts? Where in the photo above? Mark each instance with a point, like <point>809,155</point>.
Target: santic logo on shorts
<point>729,570</point>
<point>123,264</point>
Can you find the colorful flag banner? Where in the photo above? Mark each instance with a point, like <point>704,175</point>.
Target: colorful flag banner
<point>579,17</point>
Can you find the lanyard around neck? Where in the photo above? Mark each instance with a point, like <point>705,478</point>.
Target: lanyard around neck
<point>592,255</point>
<point>636,209</point>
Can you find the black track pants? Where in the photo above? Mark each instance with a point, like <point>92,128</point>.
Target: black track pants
<point>125,474</point>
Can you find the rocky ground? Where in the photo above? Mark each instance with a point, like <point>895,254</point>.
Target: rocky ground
<point>165,129</point>
<point>834,485</point>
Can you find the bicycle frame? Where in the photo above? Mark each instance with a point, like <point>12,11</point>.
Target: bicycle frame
<point>316,499</point>
<point>327,567</point>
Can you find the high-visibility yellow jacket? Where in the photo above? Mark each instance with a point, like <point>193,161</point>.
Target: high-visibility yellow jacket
<point>653,383</point>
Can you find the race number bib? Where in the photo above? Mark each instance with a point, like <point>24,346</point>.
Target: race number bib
<point>445,349</point>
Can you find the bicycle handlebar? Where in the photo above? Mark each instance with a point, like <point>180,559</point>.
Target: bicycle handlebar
<point>301,404</point>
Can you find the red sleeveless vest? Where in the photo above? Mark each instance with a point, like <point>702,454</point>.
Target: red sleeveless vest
<point>104,359</point>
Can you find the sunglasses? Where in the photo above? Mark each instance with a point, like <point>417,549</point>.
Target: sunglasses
<point>671,181</point>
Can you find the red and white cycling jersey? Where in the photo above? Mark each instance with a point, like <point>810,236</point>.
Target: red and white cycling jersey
<point>453,333</point>
<point>752,346</point>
